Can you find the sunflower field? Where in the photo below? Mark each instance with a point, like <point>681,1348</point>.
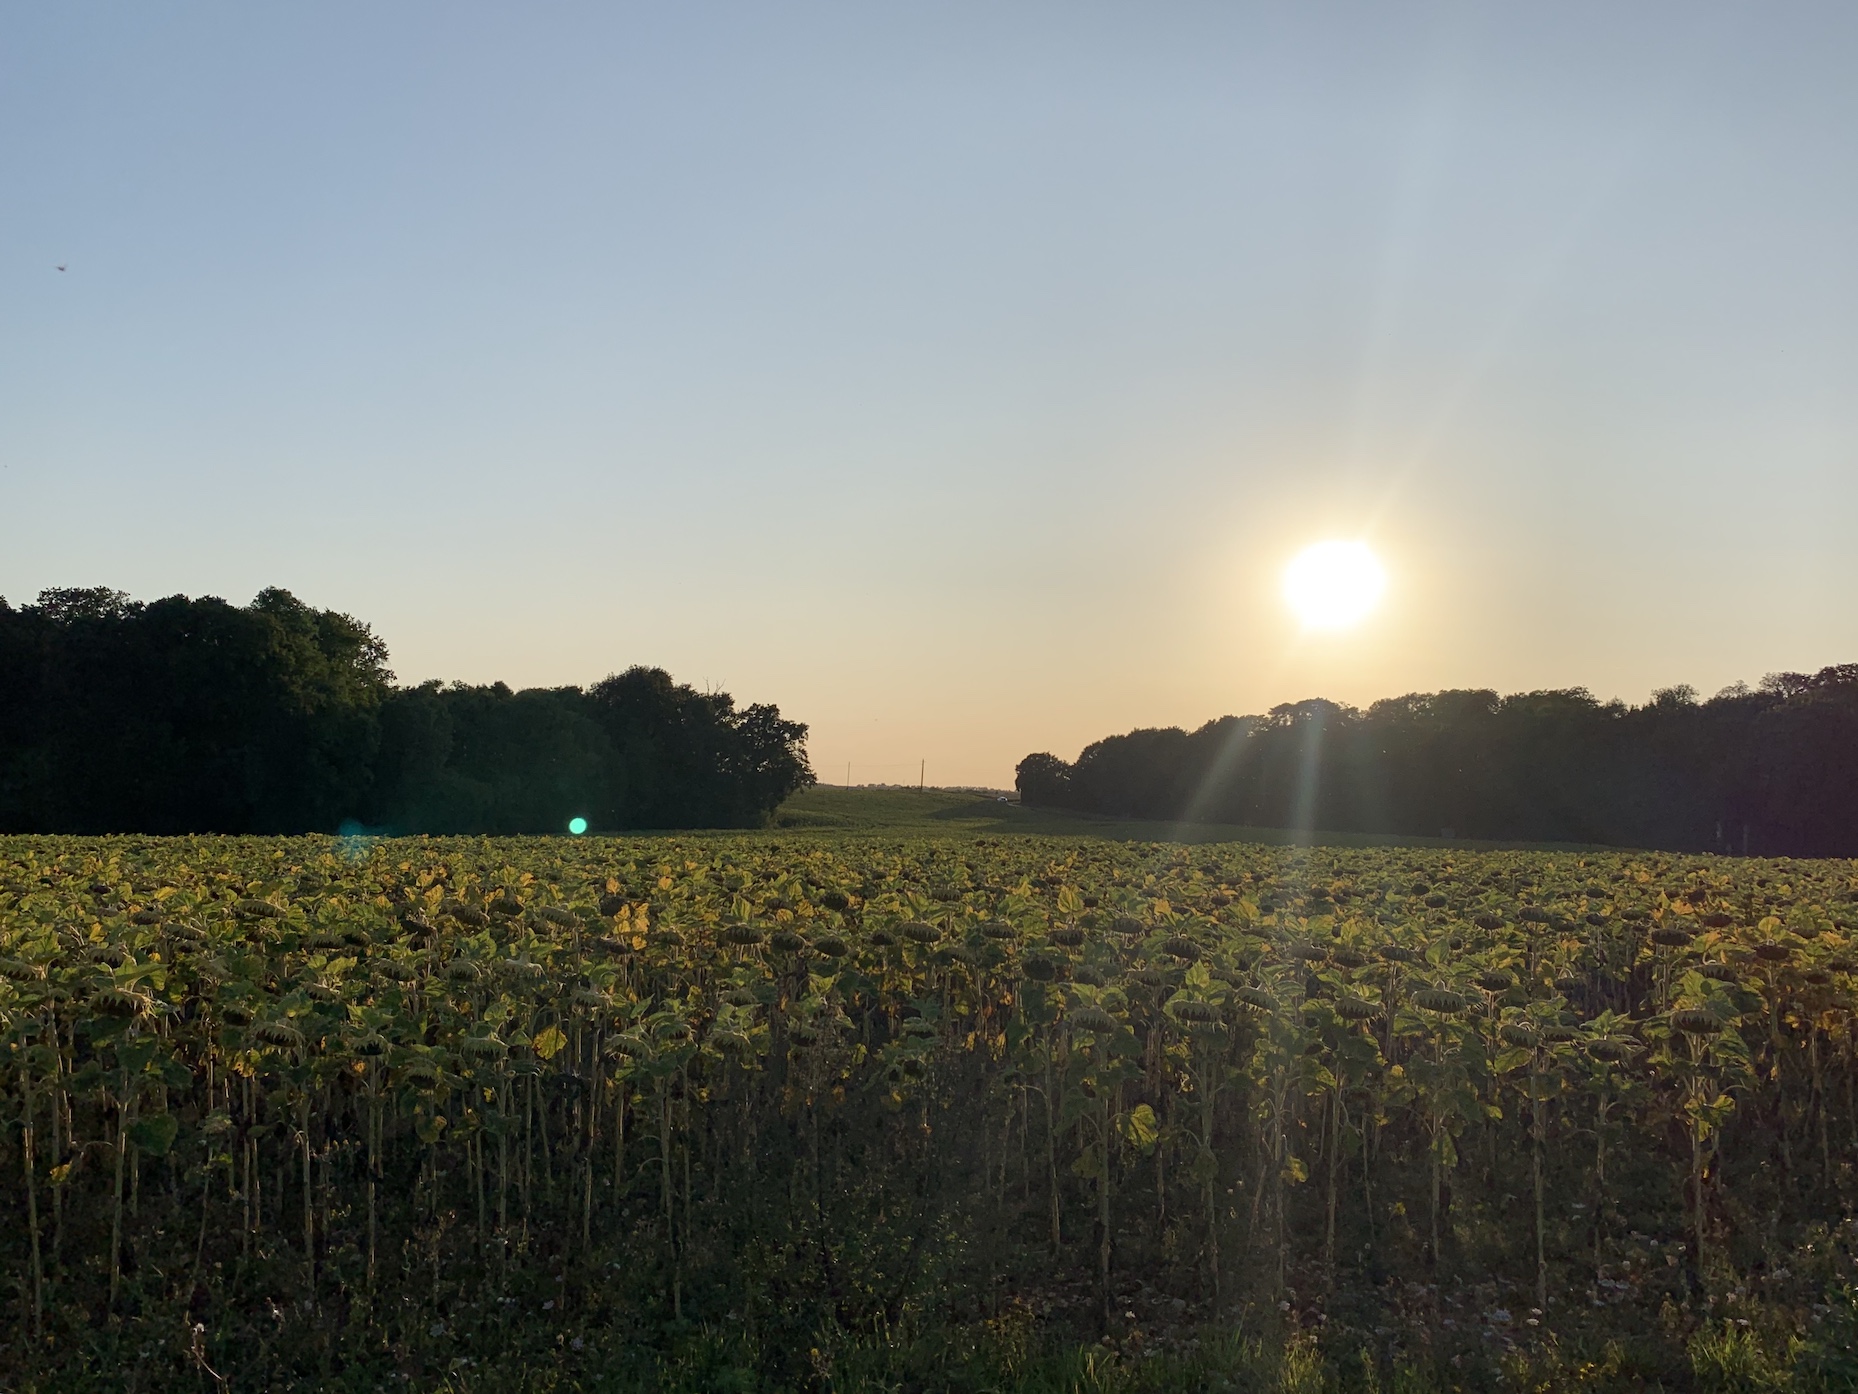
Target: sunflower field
<point>766,1112</point>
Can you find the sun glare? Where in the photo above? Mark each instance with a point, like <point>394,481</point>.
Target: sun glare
<point>1334,585</point>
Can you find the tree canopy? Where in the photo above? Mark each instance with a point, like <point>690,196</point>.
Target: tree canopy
<point>1772,770</point>
<point>194,715</point>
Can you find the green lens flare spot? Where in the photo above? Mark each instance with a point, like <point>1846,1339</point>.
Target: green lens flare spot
<point>577,826</point>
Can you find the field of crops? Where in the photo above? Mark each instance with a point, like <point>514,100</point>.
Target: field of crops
<point>848,1112</point>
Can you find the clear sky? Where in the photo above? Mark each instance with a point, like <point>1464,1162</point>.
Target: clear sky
<point>959,377</point>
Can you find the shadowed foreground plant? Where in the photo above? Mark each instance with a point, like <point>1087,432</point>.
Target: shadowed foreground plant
<point>358,1111</point>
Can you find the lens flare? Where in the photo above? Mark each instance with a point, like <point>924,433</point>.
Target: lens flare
<point>1334,585</point>
<point>577,826</point>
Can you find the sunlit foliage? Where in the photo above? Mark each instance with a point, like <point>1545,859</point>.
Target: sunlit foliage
<point>299,1109</point>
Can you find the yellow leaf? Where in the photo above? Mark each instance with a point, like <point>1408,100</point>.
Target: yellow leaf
<point>548,1043</point>
<point>1139,1127</point>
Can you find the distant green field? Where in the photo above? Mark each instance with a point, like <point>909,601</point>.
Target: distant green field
<point>955,812</point>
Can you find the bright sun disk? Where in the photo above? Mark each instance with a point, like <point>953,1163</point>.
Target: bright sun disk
<point>1334,584</point>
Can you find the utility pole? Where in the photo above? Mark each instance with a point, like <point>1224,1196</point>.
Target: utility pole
<point>922,776</point>
<point>848,774</point>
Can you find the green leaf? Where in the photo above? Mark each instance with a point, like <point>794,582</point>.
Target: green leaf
<point>154,1136</point>
<point>1204,1168</point>
<point>135,1055</point>
<point>1512,1059</point>
<point>1074,1106</point>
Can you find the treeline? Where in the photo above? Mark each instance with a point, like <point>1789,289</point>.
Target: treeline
<point>1771,771</point>
<point>193,715</point>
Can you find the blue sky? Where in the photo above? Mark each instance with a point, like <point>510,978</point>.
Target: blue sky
<point>958,377</point>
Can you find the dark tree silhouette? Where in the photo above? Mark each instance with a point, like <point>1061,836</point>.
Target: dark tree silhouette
<point>1771,771</point>
<point>184,715</point>
<point>636,750</point>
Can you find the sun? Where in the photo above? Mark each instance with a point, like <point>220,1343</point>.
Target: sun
<point>1334,585</point>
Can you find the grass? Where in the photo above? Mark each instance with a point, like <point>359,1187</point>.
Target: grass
<point>957,812</point>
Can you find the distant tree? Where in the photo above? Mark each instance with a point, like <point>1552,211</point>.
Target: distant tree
<point>1045,780</point>
<point>1774,770</point>
<point>636,751</point>
<point>689,759</point>
<point>768,761</point>
<point>186,715</point>
<point>466,759</point>
<point>1807,760</point>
